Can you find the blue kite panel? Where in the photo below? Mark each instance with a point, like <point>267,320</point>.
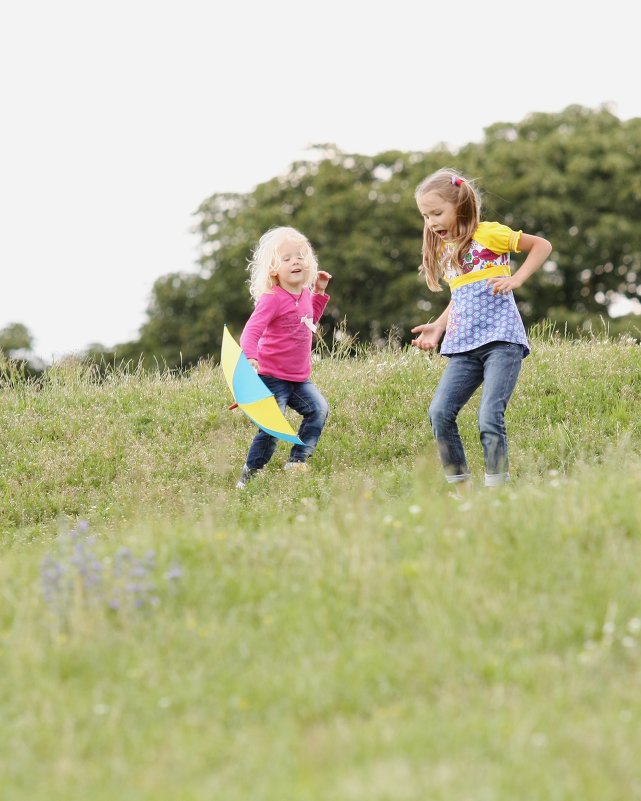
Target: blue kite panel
<point>248,388</point>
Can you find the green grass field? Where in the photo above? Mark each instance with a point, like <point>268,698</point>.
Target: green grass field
<point>351,634</point>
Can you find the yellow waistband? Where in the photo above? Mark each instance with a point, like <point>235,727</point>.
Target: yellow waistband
<point>480,275</point>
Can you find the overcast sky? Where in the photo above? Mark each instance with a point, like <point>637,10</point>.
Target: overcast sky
<point>119,118</point>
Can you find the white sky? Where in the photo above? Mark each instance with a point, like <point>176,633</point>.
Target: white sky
<point>120,117</point>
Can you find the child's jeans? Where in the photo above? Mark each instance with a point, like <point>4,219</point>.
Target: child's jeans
<point>496,366</point>
<point>303,397</point>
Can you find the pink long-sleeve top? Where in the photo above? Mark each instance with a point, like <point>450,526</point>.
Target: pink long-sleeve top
<point>278,336</point>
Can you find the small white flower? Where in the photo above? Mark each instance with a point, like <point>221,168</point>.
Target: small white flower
<point>414,510</point>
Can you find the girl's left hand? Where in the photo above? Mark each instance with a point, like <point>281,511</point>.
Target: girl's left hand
<point>322,279</point>
<point>502,285</point>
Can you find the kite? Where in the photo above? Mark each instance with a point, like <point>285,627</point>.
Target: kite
<point>251,394</point>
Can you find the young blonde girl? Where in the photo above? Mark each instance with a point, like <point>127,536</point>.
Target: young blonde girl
<point>289,294</point>
<point>481,329</point>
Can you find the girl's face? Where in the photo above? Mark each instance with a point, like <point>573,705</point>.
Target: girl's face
<point>439,215</point>
<point>292,272</point>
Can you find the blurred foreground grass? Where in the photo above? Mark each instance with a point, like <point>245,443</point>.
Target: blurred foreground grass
<point>351,634</point>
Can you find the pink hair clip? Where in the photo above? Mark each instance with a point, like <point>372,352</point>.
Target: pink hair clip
<point>456,181</point>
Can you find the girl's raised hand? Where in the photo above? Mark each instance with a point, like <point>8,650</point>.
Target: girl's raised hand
<point>429,336</point>
<point>322,279</point>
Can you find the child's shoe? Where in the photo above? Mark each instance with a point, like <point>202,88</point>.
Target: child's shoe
<point>298,467</point>
<point>246,474</point>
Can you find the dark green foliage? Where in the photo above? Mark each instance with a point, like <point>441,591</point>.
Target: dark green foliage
<point>17,360</point>
<point>573,177</point>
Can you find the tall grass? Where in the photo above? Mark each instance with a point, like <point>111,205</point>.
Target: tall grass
<point>353,633</point>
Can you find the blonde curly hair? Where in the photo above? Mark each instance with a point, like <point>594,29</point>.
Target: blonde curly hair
<point>265,259</point>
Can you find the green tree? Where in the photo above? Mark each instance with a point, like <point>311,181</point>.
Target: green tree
<point>15,337</point>
<point>17,359</point>
<point>573,177</point>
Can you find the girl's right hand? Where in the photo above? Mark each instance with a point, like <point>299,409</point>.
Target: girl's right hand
<point>429,336</point>
<point>254,363</point>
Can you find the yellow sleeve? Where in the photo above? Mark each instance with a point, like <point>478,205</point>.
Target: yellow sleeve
<point>498,237</point>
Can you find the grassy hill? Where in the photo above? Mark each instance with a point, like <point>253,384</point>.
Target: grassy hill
<point>351,633</point>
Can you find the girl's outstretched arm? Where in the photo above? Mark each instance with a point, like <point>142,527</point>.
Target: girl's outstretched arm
<point>430,334</point>
<point>537,249</point>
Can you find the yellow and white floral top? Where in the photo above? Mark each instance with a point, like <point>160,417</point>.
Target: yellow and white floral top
<point>477,317</point>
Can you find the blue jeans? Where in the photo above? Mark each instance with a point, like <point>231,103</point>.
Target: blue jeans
<point>496,366</point>
<point>303,397</point>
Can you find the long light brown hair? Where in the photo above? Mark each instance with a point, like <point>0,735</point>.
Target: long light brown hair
<point>454,188</point>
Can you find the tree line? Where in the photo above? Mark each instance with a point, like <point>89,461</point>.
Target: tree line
<point>573,177</point>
